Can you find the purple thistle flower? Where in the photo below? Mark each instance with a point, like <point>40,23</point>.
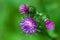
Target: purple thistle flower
<point>49,24</point>
<point>23,8</point>
<point>28,25</point>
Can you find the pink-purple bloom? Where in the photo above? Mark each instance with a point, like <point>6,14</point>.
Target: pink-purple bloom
<point>28,25</point>
<point>49,24</point>
<point>23,8</point>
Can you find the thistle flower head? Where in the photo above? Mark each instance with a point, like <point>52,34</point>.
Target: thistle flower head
<point>23,8</point>
<point>28,25</point>
<point>49,24</point>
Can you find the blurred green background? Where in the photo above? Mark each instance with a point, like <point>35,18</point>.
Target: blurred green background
<point>10,18</point>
